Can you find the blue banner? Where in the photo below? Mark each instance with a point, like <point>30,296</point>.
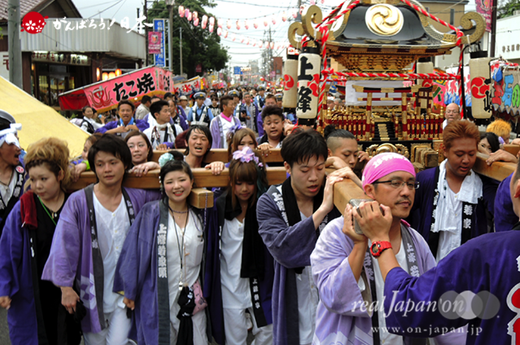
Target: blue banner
<point>160,60</point>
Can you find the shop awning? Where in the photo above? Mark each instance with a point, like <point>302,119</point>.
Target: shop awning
<point>105,95</point>
<point>38,120</point>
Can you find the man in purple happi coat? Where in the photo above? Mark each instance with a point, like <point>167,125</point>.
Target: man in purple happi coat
<point>89,238</point>
<point>290,218</point>
<point>348,277</point>
<point>126,122</point>
<point>484,273</point>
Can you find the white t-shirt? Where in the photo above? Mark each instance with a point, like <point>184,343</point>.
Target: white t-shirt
<point>235,290</point>
<point>385,336</point>
<point>451,222</point>
<point>112,228</point>
<point>94,124</point>
<point>170,138</point>
<point>192,249</point>
<point>226,126</point>
<point>307,302</point>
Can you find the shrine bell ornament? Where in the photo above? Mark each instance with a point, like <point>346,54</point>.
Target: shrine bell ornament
<point>309,63</point>
<point>290,78</point>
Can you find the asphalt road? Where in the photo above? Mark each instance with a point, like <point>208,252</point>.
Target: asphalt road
<point>4,330</point>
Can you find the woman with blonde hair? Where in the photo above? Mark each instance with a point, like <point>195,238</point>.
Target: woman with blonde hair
<point>36,315</point>
<point>501,128</point>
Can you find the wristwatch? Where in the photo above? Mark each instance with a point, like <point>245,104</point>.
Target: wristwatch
<point>378,247</point>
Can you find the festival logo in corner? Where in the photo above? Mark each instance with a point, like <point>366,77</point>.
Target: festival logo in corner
<point>33,23</point>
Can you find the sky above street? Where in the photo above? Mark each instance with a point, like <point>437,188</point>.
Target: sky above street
<point>241,10</point>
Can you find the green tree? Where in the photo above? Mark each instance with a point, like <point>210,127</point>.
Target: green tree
<point>508,8</point>
<point>199,46</point>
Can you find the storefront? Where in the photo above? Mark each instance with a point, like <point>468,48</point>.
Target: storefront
<point>54,73</point>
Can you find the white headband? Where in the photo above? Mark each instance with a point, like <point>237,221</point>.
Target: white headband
<point>8,135</point>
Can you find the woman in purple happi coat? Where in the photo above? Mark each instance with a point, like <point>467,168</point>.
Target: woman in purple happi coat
<point>239,269</point>
<point>36,315</point>
<point>79,259</point>
<point>162,263</point>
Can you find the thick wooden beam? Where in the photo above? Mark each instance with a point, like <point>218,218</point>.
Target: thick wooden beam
<point>201,198</point>
<point>221,155</point>
<point>513,149</point>
<point>497,170</point>
<point>202,178</point>
<point>346,190</point>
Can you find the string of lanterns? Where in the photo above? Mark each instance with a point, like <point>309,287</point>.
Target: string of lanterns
<point>223,25</point>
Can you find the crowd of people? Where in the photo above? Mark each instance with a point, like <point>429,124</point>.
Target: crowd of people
<point>115,265</point>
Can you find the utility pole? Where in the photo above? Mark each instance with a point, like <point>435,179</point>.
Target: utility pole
<point>170,35</point>
<point>15,46</point>
<point>145,12</point>
<point>493,28</point>
<point>180,29</point>
<point>270,51</point>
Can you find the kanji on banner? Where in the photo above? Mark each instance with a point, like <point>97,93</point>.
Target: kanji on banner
<point>105,95</point>
<point>189,87</point>
<point>485,7</point>
<point>154,42</point>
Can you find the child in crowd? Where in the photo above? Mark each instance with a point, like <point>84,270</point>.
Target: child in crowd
<point>224,123</point>
<point>162,133</point>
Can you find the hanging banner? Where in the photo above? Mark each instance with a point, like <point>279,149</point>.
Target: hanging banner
<point>105,95</point>
<point>505,90</point>
<point>189,87</point>
<point>290,78</point>
<point>484,7</point>
<point>154,42</point>
<point>309,63</point>
<point>452,89</point>
<point>160,58</point>
<point>480,88</point>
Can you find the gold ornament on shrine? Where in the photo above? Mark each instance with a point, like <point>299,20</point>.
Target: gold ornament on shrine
<point>384,20</point>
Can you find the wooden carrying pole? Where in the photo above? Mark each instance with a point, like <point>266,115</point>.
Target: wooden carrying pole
<point>221,155</point>
<point>497,170</point>
<point>199,197</point>
<point>343,191</point>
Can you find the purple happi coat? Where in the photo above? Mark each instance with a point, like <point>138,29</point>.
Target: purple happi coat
<point>141,124</point>
<point>488,263</point>
<point>216,132</point>
<point>136,273</point>
<point>212,278</point>
<point>291,247</point>
<point>505,217</point>
<point>340,320</point>
<point>70,260</point>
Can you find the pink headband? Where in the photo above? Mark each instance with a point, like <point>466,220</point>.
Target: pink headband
<point>384,164</point>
